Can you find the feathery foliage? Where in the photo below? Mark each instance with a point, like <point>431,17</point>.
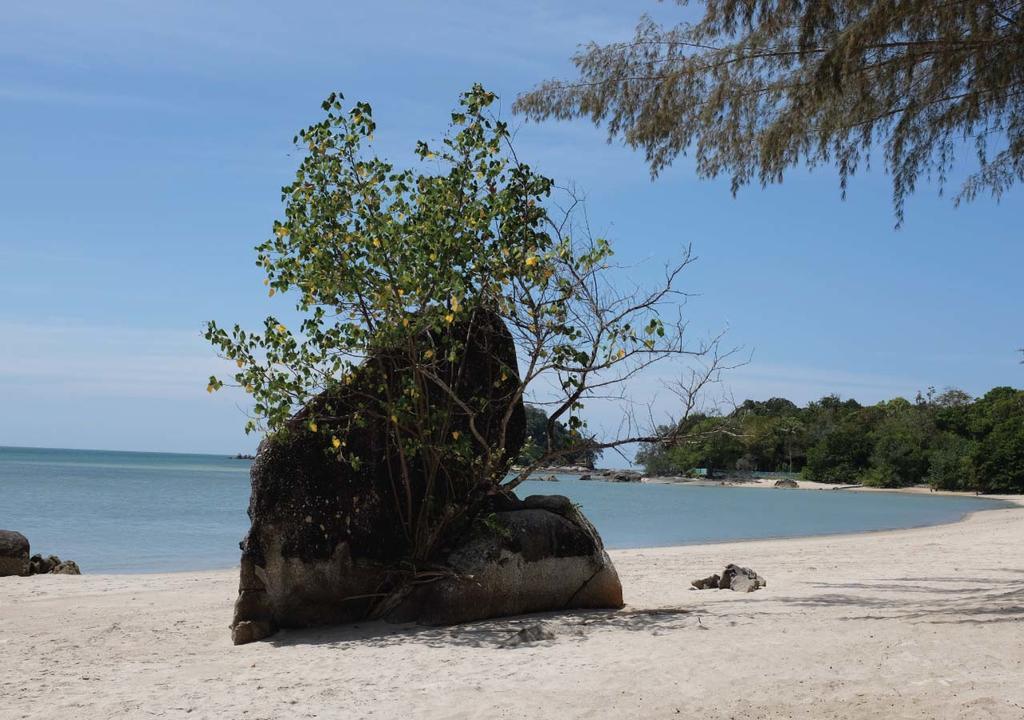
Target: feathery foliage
<point>759,86</point>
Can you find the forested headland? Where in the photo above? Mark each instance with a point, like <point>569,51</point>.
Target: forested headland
<point>948,440</point>
<point>537,441</point>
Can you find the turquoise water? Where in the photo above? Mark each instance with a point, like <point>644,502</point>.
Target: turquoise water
<point>156,512</point>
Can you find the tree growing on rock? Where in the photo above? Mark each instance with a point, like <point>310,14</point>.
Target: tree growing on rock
<point>393,271</point>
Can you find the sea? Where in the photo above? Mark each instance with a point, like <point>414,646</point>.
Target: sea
<point>135,512</point>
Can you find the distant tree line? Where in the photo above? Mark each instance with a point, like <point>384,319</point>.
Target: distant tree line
<point>948,440</point>
<point>536,445</point>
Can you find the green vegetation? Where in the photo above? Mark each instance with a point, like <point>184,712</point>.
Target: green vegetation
<point>542,431</point>
<point>946,440</point>
<point>387,269</point>
<point>756,87</point>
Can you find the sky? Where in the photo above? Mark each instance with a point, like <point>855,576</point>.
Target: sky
<point>144,146</point>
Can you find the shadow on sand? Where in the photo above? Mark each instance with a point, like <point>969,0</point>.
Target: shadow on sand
<point>935,600</point>
<point>576,624</point>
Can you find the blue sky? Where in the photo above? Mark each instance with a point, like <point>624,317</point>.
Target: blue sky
<point>144,146</point>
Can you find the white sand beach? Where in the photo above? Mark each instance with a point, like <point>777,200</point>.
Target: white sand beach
<point>923,623</point>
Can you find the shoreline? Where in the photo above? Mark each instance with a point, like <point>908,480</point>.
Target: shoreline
<point>1013,500</point>
<point>905,623</point>
<point>769,483</point>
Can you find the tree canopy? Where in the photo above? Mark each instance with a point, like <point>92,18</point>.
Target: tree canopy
<point>541,431</point>
<point>756,87</point>
<point>386,269</point>
<point>947,439</point>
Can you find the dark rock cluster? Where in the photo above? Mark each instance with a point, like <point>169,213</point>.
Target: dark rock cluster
<point>51,564</point>
<point>15,560</point>
<point>614,476</point>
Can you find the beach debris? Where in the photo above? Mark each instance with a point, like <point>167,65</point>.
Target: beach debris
<point>741,579</point>
<point>786,483</point>
<point>734,577</point>
<point>13,553</point>
<point>531,634</point>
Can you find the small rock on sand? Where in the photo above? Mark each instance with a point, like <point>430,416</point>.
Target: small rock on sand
<point>734,577</point>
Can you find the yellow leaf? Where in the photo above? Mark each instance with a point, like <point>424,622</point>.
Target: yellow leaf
<point>456,434</point>
<point>405,322</point>
<point>248,388</point>
<point>281,328</point>
<point>335,442</point>
<point>428,354</point>
<point>450,318</point>
<point>239,362</point>
<point>433,257</point>
<point>376,242</point>
<point>531,261</point>
<point>312,426</point>
<point>210,388</point>
<point>394,419</point>
<point>271,293</point>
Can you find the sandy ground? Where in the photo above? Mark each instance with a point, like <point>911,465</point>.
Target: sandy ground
<point>924,623</point>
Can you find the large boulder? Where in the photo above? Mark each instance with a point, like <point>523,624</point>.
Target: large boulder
<point>327,543</point>
<point>13,553</point>
<point>537,554</point>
